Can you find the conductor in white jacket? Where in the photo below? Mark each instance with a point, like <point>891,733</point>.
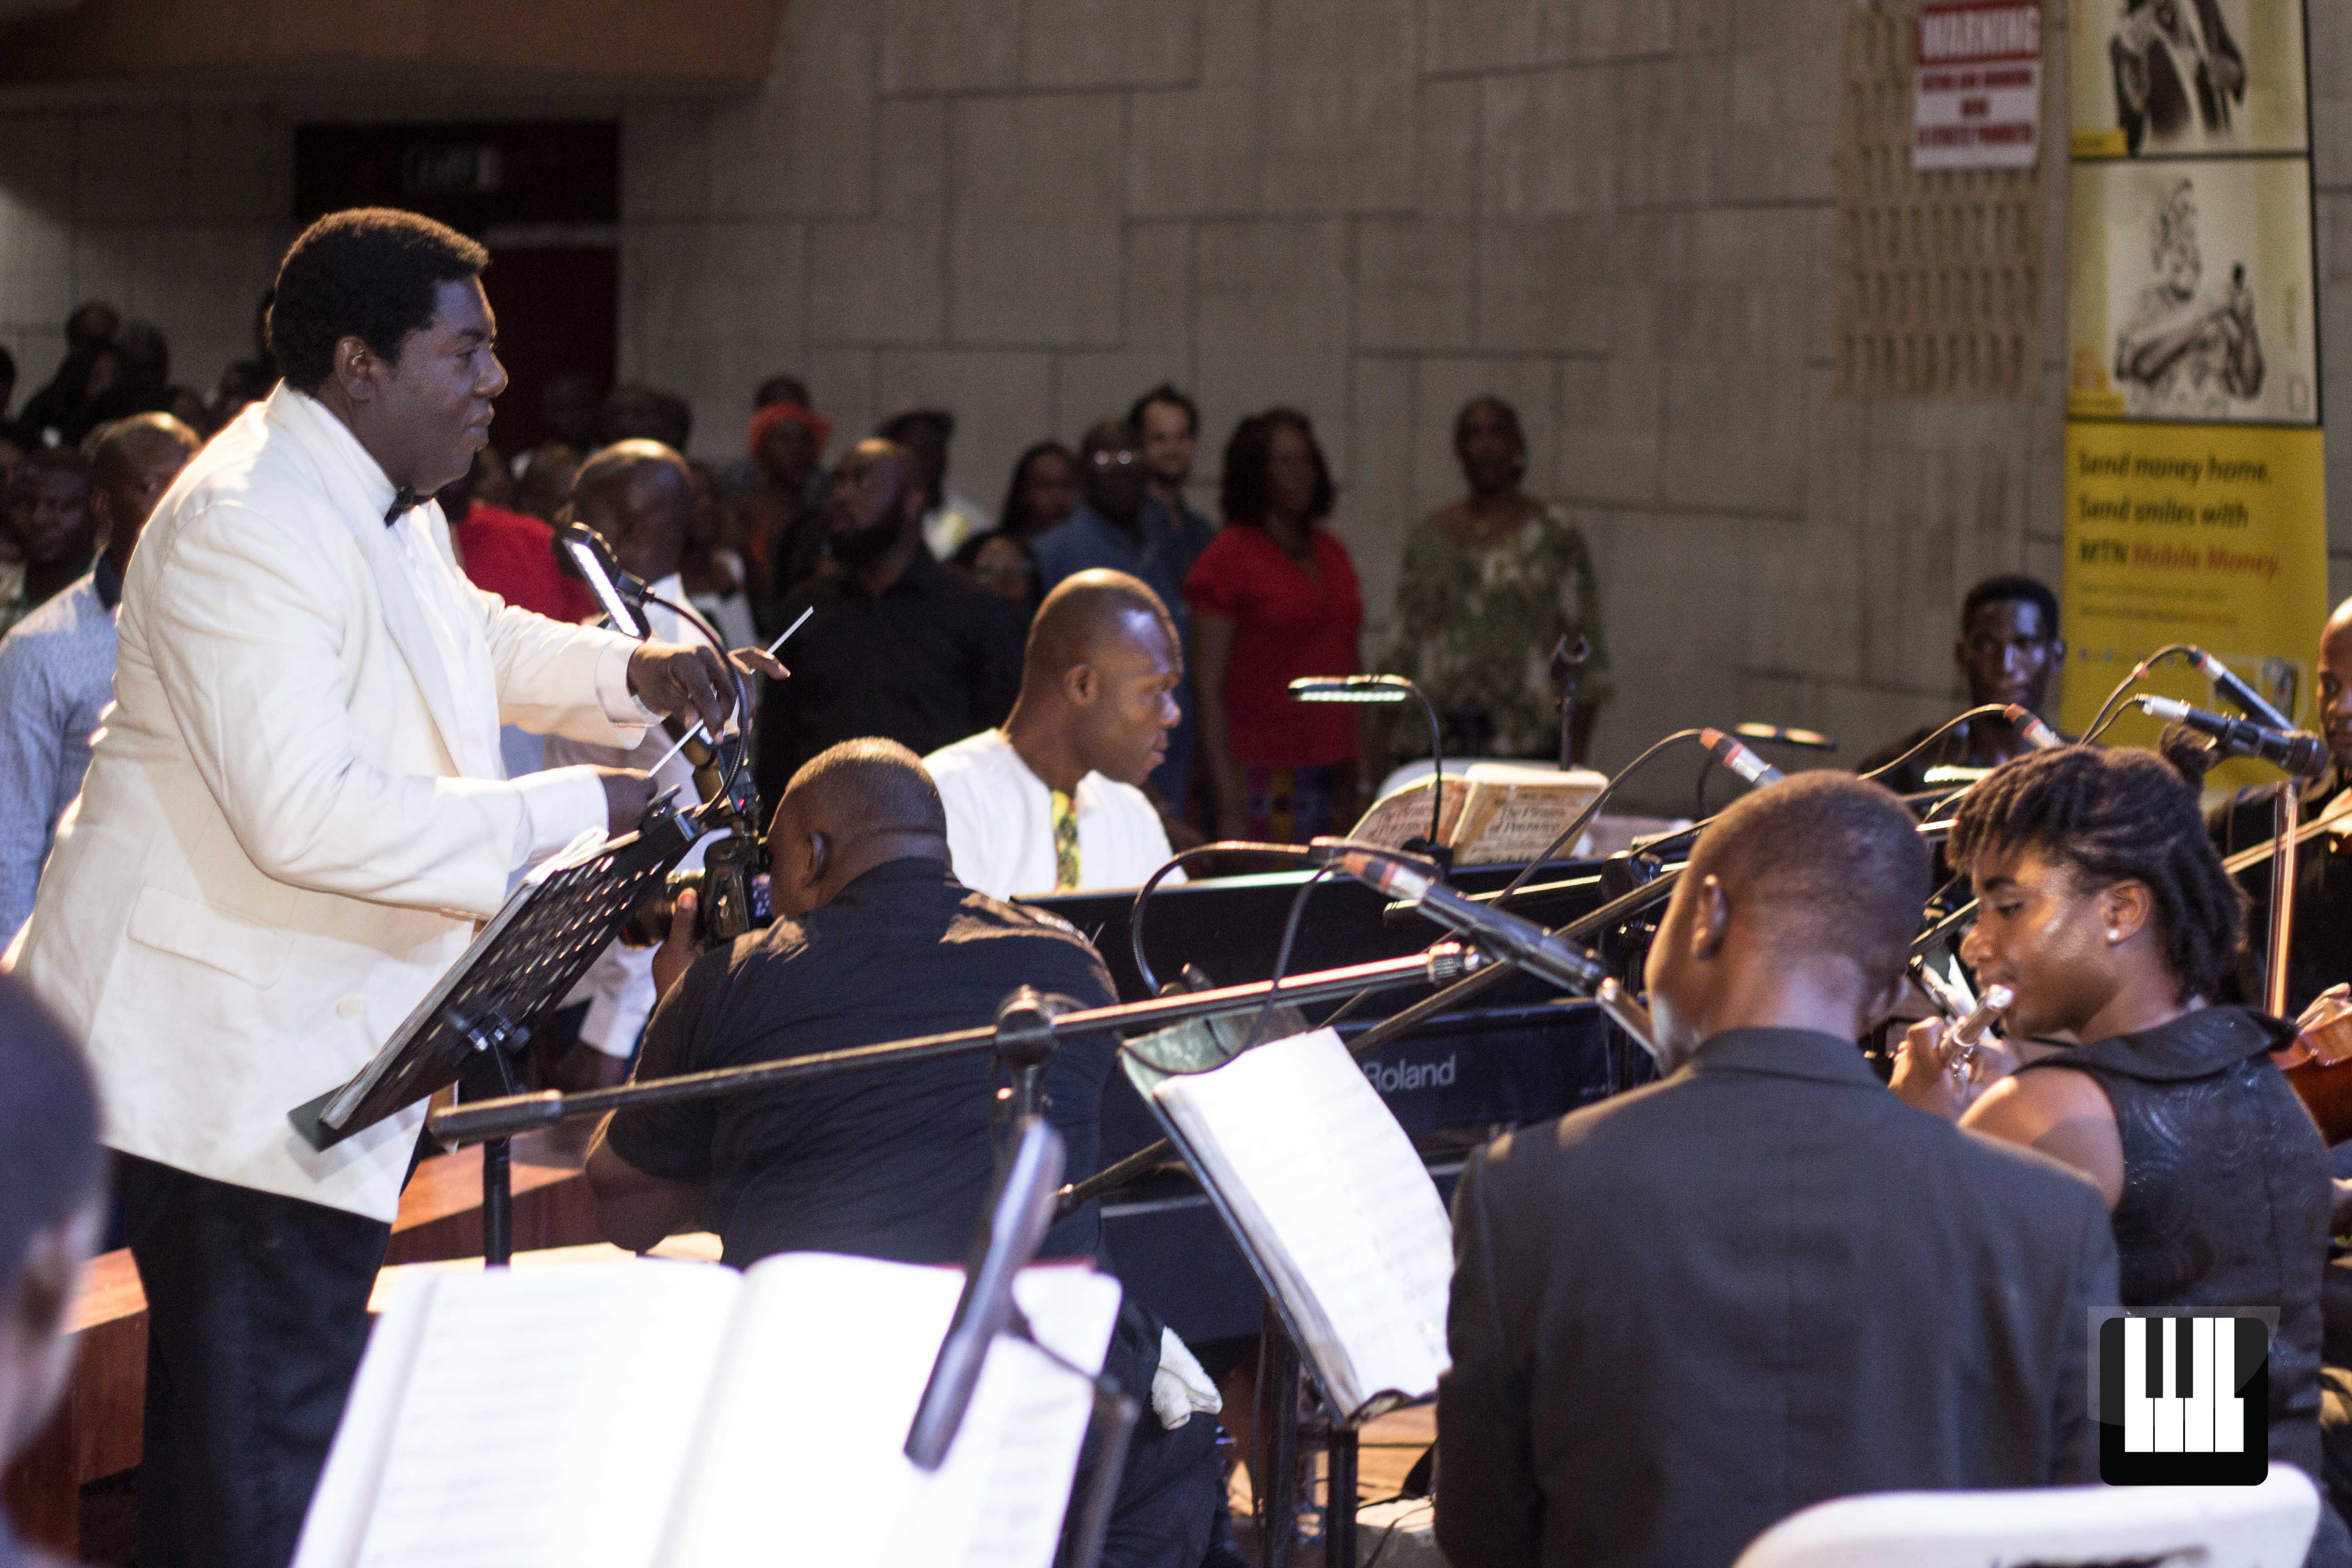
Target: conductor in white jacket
<point>294,813</point>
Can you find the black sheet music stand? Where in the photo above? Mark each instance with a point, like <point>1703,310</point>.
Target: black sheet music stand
<point>1284,1370</point>
<point>518,970</point>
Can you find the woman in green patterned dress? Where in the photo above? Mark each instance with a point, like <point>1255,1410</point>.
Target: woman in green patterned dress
<point>1490,586</point>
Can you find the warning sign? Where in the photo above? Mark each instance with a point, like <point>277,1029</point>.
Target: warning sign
<point>1976,99</point>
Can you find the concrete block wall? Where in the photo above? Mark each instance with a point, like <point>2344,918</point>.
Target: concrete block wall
<point>1616,213</point>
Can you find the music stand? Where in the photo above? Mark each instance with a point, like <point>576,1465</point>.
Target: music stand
<point>516,971</point>
<point>1200,1045</point>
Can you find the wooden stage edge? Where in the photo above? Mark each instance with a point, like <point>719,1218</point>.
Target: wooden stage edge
<point>95,1434</point>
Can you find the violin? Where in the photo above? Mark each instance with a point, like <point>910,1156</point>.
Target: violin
<point>2318,1066</point>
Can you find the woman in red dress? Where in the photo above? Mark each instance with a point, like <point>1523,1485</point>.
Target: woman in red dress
<point>1274,596</point>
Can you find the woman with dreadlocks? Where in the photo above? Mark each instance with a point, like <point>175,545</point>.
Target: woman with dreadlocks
<point>2104,907</point>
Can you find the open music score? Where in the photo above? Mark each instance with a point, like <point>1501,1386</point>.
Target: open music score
<point>2181,1387</point>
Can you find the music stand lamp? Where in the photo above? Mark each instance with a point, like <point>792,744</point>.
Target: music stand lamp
<point>1389,691</point>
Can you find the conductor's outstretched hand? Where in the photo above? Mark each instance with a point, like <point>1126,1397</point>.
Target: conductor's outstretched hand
<point>671,679</point>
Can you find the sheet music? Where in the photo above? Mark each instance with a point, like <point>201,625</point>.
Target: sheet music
<point>829,1361</point>
<point>1032,1419</point>
<point>830,1358</point>
<point>548,1416</point>
<point>1338,1203</point>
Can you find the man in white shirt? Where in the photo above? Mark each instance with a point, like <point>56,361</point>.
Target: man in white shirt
<point>293,819</point>
<point>1050,802</point>
<point>639,497</point>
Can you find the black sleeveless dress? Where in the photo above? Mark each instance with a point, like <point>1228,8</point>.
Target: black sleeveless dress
<point>2226,1198</point>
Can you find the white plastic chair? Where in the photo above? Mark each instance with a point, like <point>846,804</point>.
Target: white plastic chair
<point>2268,1526</point>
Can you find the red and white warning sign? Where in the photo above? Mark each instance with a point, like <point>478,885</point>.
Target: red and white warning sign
<point>1976,100</point>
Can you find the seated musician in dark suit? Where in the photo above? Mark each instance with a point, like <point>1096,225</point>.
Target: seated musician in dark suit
<point>1682,1314</point>
<point>2007,650</point>
<point>875,939</point>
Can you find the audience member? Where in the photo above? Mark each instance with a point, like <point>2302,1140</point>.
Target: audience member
<point>713,575</point>
<point>948,520</point>
<point>1686,1312</point>
<point>143,378</point>
<point>876,939</point>
<point>1121,528</point>
<point>247,381</point>
<point>543,480</point>
<point>2007,649</point>
<point>511,553</point>
<point>1170,426</point>
<point>56,414</point>
<point>570,409</point>
<point>743,473</point>
<point>57,667</point>
<point>1042,494</point>
<point>1489,586</point>
<point>1275,597</point>
<point>492,482</point>
<point>1002,565</point>
<point>782,532</point>
<point>1049,802</point>
<point>639,497</point>
<point>900,645</point>
<point>52,1181</point>
<point>2105,907</point>
<point>46,516</point>
<point>636,412</point>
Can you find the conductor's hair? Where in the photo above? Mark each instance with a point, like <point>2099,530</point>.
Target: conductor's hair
<point>2111,814</point>
<point>50,1162</point>
<point>1828,863</point>
<point>864,788</point>
<point>368,273</point>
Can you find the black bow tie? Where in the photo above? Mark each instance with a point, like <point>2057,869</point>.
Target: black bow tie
<point>402,501</point>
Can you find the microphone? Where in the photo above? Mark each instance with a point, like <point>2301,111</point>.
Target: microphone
<point>623,596</point>
<point>1506,935</point>
<point>2247,700</point>
<point>1739,759</point>
<point>2297,752</point>
<point>1007,1241</point>
<point>2028,723</point>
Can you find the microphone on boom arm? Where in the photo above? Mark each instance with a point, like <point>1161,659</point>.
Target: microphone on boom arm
<point>1739,759</point>
<point>2299,752</point>
<point>2244,698</point>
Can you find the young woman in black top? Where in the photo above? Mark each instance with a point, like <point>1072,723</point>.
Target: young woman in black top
<point>2105,907</point>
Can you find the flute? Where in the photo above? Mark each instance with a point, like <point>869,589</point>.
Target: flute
<point>1961,1044</point>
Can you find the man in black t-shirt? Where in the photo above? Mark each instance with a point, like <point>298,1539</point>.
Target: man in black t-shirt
<point>875,940</point>
<point>2007,649</point>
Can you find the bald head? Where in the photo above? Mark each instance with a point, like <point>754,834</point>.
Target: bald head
<point>132,463</point>
<point>1086,612</point>
<point>1098,687</point>
<point>639,496</point>
<point>850,808</point>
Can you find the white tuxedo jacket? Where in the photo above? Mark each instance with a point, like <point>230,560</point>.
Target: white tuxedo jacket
<point>295,812</point>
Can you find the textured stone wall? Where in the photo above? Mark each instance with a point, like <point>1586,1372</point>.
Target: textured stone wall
<point>1619,214</point>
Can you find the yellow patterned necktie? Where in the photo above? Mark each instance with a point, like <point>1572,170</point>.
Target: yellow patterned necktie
<point>1065,843</point>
